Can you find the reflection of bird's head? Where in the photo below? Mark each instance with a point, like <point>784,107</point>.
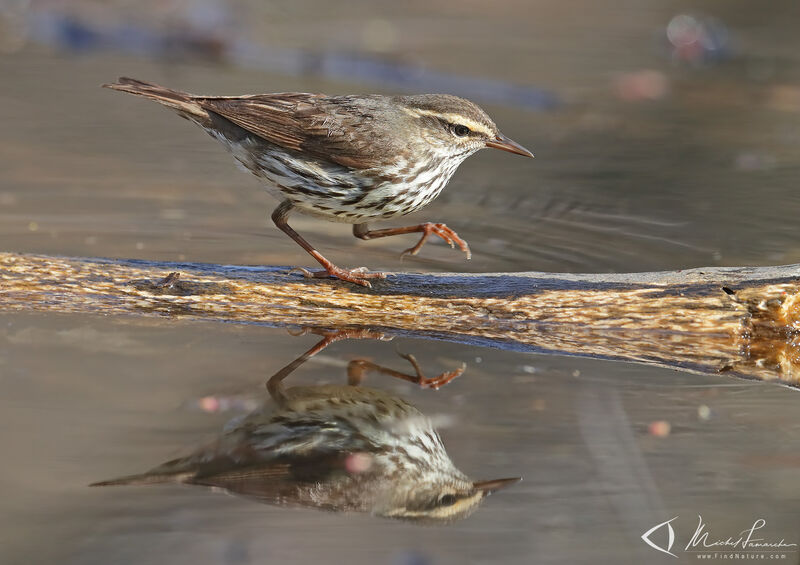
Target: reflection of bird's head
<point>446,500</point>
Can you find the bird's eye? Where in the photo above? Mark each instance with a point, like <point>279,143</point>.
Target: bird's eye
<point>460,130</point>
<point>447,500</point>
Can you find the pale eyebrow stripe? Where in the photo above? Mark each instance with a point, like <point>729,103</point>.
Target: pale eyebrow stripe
<point>453,118</point>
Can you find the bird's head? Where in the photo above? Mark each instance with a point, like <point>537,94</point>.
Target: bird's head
<point>455,126</point>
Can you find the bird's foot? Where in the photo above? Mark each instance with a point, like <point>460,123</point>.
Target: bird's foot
<point>359,276</point>
<point>442,231</point>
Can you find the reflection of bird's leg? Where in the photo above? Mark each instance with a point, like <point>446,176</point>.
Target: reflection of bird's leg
<point>358,368</point>
<point>274,385</point>
<point>339,334</point>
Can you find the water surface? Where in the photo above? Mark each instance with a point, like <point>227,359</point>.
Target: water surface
<point>700,173</point>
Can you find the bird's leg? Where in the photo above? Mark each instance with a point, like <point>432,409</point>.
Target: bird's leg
<point>362,231</point>
<point>358,276</point>
<point>358,368</point>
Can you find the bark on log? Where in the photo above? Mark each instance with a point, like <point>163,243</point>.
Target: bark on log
<point>742,320</point>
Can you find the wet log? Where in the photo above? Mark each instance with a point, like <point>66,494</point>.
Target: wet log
<point>742,320</point>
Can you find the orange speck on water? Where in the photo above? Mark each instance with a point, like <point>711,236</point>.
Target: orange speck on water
<point>659,428</point>
<point>209,404</point>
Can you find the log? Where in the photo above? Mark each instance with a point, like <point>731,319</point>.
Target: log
<point>744,320</point>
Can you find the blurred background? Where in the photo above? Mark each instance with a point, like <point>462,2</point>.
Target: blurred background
<point>666,134</point>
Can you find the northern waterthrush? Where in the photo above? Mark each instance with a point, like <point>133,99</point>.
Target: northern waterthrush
<point>351,159</point>
<point>335,447</point>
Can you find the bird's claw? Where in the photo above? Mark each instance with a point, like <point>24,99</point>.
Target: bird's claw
<point>359,275</point>
<point>447,234</point>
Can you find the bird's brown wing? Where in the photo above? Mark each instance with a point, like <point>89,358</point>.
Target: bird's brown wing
<point>329,128</point>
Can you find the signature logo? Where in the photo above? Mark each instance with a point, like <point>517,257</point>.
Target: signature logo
<point>746,544</point>
<point>671,540</point>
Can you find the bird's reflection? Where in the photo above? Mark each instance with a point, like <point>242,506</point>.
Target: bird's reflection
<point>335,447</point>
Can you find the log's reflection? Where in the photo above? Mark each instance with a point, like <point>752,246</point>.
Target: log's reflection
<point>335,447</point>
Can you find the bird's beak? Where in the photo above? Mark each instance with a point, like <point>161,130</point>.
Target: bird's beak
<point>488,487</point>
<point>502,142</point>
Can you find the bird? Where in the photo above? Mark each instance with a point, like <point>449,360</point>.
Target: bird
<point>353,158</point>
<point>340,448</point>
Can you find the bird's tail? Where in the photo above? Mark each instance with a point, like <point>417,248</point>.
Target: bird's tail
<point>181,102</point>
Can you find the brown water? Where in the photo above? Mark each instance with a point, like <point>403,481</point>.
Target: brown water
<point>703,174</point>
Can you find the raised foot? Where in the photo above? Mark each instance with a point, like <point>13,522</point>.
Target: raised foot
<point>442,231</point>
<point>359,276</point>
